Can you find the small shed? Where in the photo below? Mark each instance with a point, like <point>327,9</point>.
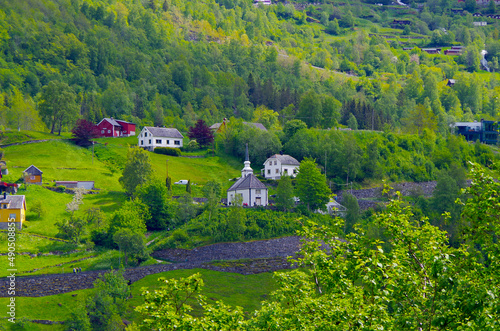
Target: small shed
<point>34,175</point>
<point>88,185</point>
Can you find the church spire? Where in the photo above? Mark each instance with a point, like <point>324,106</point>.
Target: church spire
<point>246,170</point>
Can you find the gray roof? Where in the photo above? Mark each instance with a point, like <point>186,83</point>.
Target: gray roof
<point>216,126</point>
<point>248,182</point>
<point>257,125</point>
<point>15,201</point>
<point>285,159</point>
<point>164,132</point>
<point>110,120</point>
<point>32,170</point>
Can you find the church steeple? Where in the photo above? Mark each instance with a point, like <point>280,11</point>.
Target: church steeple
<point>246,170</point>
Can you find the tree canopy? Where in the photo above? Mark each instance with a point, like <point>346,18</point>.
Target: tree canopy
<point>311,186</point>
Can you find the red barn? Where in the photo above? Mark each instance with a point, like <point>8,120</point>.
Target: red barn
<point>109,127</point>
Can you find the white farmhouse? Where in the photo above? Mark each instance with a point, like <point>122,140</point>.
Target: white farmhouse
<point>151,137</point>
<point>280,165</point>
<point>249,187</point>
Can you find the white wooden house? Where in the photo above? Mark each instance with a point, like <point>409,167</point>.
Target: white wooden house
<point>280,165</point>
<point>251,190</point>
<point>151,137</point>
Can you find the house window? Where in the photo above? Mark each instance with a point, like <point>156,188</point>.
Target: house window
<point>277,171</point>
<point>12,216</point>
<point>109,131</point>
<point>102,131</point>
<point>268,171</point>
<point>286,171</point>
<point>168,142</point>
<point>145,134</point>
<point>275,162</point>
<point>158,141</point>
<point>142,142</point>
<point>177,142</point>
<point>32,177</point>
<point>124,131</point>
<point>150,141</point>
<point>257,191</point>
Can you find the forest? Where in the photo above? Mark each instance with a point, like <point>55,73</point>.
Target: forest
<point>365,90</point>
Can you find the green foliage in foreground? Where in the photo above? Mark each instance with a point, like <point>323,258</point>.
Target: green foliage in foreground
<point>418,282</point>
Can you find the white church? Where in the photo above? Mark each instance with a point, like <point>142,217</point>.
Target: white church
<point>249,187</point>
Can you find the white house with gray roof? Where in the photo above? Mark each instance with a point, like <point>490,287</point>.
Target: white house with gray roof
<point>151,137</point>
<point>280,165</point>
<point>249,187</point>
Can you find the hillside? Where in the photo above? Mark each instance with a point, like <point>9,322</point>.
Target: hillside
<point>367,93</point>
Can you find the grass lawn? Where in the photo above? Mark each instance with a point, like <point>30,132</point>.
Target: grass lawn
<point>25,263</point>
<point>233,289</point>
<point>25,242</point>
<point>59,160</point>
<point>10,137</point>
<point>53,308</point>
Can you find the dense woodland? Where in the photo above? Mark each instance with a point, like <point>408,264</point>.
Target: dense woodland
<point>333,85</point>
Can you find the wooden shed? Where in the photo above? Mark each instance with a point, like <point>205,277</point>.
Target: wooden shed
<point>34,175</point>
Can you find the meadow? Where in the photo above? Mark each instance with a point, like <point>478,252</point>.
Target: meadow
<point>231,288</point>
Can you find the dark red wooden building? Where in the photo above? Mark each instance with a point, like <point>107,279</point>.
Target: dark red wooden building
<point>109,127</point>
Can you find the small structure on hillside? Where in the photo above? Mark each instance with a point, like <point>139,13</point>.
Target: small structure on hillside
<point>88,185</point>
<point>151,137</point>
<point>12,209</point>
<point>33,175</point>
<point>218,127</point>
<point>109,127</point>
<point>251,190</point>
<point>484,131</point>
<point>280,165</point>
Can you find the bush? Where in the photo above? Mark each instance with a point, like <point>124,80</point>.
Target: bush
<point>168,151</point>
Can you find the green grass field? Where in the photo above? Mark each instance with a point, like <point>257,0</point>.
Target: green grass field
<point>11,137</point>
<point>233,289</point>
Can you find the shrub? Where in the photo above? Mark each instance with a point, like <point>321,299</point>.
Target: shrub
<point>168,151</point>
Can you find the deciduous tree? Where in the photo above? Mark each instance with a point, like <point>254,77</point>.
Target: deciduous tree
<point>202,133</point>
<point>137,171</point>
<point>84,131</point>
<point>311,186</point>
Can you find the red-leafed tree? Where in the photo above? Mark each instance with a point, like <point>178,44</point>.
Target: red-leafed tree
<point>84,131</point>
<point>202,133</point>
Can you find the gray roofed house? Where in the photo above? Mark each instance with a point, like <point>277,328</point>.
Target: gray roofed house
<point>32,170</point>
<point>164,132</point>
<point>280,165</point>
<point>248,182</point>
<point>34,175</point>
<point>13,207</point>
<point>217,126</point>
<point>152,137</point>
<point>251,190</point>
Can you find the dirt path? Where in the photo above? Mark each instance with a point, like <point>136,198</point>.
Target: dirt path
<point>263,256</point>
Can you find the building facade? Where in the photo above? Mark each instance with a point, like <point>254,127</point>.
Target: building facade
<point>33,175</point>
<point>484,131</point>
<point>109,127</point>
<point>248,188</point>
<point>12,207</point>
<point>280,165</point>
<point>152,137</point>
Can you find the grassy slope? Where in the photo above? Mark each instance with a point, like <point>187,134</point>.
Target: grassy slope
<point>232,289</point>
<point>10,137</point>
<point>62,160</point>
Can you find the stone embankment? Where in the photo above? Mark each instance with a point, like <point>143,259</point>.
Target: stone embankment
<point>367,198</point>
<point>261,256</point>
